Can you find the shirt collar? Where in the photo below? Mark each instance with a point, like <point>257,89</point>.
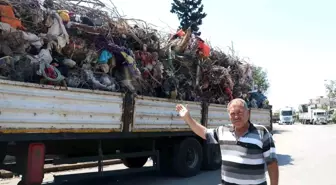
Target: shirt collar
<point>250,129</point>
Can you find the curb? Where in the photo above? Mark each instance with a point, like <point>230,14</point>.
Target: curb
<point>48,168</point>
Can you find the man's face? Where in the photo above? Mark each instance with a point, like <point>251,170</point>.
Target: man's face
<point>238,114</point>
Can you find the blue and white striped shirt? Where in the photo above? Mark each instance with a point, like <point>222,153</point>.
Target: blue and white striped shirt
<point>244,158</point>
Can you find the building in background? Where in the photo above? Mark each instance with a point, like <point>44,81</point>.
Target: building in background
<point>323,102</point>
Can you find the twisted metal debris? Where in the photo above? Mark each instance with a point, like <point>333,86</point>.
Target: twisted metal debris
<point>93,47</point>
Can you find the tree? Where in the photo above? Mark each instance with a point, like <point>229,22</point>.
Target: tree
<point>190,14</point>
<point>331,88</point>
<point>260,78</point>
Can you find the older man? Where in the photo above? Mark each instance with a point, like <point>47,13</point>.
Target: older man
<point>245,148</point>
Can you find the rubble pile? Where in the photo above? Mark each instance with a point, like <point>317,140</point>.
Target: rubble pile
<point>71,44</point>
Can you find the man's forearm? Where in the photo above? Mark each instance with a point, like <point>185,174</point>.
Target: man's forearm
<point>197,128</point>
<point>273,172</point>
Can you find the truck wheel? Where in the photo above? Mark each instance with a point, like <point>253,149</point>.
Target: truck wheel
<point>135,162</point>
<point>212,159</point>
<point>188,158</point>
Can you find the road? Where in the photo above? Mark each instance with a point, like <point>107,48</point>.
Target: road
<point>306,157</point>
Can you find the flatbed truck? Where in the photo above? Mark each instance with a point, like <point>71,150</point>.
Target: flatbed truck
<point>82,125</point>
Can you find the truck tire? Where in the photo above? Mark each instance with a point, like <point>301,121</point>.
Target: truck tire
<point>188,157</point>
<point>212,159</point>
<point>135,162</point>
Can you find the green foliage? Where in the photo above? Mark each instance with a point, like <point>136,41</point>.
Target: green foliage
<point>333,118</point>
<point>331,88</point>
<point>324,107</point>
<point>190,13</point>
<point>260,78</point>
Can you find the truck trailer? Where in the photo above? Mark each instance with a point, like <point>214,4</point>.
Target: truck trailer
<point>83,125</point>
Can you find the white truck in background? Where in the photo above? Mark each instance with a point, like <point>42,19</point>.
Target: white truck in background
<point>309,114</point>
<point>286,116</point>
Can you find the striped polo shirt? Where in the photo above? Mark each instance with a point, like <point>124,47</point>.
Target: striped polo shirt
<point>244,159</point>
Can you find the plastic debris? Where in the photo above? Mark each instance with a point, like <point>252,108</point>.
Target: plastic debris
<point>70,44</point>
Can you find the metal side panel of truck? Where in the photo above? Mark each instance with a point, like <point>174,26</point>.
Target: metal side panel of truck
<point>157,114</point>
<point>32,108</point>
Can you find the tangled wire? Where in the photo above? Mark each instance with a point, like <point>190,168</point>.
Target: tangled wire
<point>92,46</point>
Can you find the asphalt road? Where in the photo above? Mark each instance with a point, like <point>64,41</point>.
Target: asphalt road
<point>307,156</point>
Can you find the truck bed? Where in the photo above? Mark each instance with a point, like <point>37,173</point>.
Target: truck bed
<point>34,108</point>
<point>304,116</point>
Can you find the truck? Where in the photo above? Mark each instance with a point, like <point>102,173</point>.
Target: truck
<point>286,116</point>
<point>80,125</point>
<point>310,114</point>
<point>276,117</point>
<point>331,115</point>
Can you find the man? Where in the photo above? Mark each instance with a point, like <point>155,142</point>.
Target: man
<point>245,148</point>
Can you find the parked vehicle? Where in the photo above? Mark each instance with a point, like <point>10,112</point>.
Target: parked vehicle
<point>86,125</point>
<point>276,117</point>
<point>286,116</point>
<point>311,115</point>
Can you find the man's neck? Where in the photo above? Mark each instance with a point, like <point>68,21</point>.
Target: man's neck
<point>241,131</point>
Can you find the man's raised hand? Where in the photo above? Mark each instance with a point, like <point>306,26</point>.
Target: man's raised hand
<point>197,128</point>
<point>183,111</point>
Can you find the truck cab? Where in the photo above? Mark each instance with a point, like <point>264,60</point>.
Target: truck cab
<point>286,116</point>
<point>319,116</point>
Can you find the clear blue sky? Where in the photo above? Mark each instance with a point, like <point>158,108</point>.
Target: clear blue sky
<point>295,41</point>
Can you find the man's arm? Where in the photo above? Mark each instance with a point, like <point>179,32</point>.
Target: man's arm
<point>210,135</point>
<point>196,127</point>
<point>273,172</point>
<point>270,157</point>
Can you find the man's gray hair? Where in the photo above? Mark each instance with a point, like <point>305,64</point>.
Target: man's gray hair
<point>239,100</point>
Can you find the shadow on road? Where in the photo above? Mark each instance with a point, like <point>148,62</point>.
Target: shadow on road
<point>284,160</point>
<point>153,178</point>
<point>279,131</point>
<point>210,177</point>
<point>149,178</point>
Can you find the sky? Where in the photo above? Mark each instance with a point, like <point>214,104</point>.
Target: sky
<point>294,41</point>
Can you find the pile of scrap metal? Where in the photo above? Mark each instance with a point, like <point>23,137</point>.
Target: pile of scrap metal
<point>64,43</point>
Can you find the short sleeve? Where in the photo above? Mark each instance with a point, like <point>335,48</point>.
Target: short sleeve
<point>212,136</point>
<point>269,151</point>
